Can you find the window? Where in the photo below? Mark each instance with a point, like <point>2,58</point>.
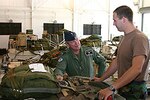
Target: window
<point>10,28</point>
<point>52,28</point>
<point>89,29</point>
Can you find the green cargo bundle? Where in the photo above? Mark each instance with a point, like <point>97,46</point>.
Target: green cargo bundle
<point>92,41</point>
<point>20,83</point>
<point>51,58</point>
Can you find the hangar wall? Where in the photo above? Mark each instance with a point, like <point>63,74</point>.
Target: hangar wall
<point>73,13</point>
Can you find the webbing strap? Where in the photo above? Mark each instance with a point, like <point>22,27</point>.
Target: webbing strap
<point>32,90</point>
<point>41,90</point>
<point>14,84</point>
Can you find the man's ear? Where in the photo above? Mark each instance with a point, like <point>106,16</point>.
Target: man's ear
<point>124,19</point>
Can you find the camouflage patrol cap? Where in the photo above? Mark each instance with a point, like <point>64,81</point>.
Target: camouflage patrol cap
<point>70,36</point>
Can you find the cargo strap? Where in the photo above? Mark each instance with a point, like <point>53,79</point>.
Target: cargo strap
<point>33,90</point>
<point>42,90</point>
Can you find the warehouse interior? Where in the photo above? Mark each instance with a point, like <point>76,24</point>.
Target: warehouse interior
<point>32,30</point>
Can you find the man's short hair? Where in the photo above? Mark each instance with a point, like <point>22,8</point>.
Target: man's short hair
<point>124,11</point>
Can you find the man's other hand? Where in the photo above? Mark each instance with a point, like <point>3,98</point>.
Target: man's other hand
<point>59,77</point>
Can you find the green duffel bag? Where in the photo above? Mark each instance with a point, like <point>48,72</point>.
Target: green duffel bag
<point>21,83</point>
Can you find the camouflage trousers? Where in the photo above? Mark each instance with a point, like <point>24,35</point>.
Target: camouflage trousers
<point>134,91</point>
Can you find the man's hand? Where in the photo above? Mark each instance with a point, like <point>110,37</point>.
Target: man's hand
<point>59,77</point>
<point>96,79</point>
<point>105,94</point>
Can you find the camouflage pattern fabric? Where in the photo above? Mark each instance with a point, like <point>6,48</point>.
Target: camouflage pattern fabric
<point>92,41</point>
<point>134,91</point>
<point>51,58</point>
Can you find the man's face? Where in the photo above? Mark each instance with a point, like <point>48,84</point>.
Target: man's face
<point>118,22</point>
<point>74,44</point>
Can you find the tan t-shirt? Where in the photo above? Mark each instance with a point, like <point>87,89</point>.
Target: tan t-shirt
<point>133,44</point>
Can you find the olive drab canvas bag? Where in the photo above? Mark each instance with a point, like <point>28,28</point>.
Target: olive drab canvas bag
<point>21,82</point>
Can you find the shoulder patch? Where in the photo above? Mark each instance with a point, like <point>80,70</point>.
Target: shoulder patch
<point>89,52</point>
<point>60,59</point>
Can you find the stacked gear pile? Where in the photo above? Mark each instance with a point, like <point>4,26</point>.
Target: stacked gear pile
<point>81,85</point>
<point>50,59</point>
<point>22,83</point>
<point>92,41</point>
<point>90,89</point>
<point>56,38</point>
<point>40,44</point>
<point>48,41</point>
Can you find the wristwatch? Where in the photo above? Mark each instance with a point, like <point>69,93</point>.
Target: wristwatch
<point>112,88</point>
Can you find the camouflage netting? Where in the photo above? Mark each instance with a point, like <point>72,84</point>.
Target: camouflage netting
<point>92,41</point>
<point>39,45</point>
<point>50,59</point>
